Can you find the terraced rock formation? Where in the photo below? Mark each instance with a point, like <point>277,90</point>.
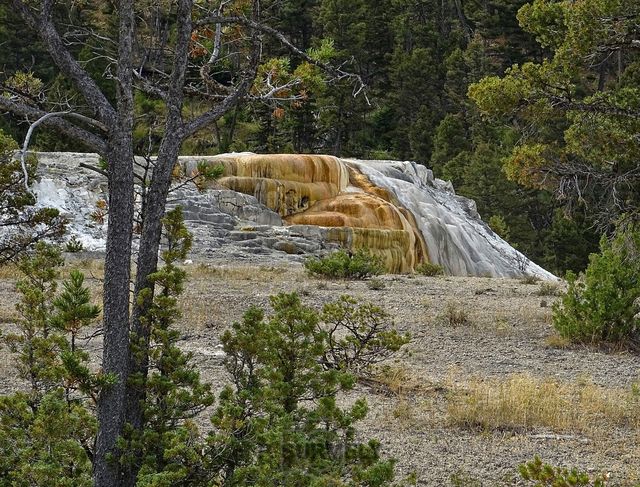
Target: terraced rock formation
<point>290,206</point>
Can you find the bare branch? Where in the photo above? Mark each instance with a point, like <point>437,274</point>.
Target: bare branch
<point>215,52</point>
<point>94,169</point>
<point>273,90</point>
<point>241,89</point>
<point>27,139</point>
<point>605,190</point>
<point>94,141</point>
<point>46,30</point>
<point>336,72</point>
<point>181,58</point>
<point>148,87</point>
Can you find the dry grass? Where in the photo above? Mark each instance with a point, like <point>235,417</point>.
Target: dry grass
<point>547,288</point>
<point>405,413</point>
<point>397,380</point>
<point>530,280</point>
<point>199,311</point>
<point>502,325</point>
<point>410,407</point>
<point>532,316</point>
<point>557,341</point>
<point>238,273</point>
<point>8,313</point>
<point>455,315</point>
<point>9,271</point>
<point>93,267</point>
<point>523,402</point>
<point>202,307</point>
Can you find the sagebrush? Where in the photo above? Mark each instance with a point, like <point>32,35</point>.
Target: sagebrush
<point>428,269</point>
<point>341,264</point>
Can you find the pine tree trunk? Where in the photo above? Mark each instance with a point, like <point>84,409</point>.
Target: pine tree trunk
<point>155,207</point>
<point>116,311</point>
<point>117,265</point>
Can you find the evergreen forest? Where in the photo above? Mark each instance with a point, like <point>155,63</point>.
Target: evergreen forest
<point>529,109</point>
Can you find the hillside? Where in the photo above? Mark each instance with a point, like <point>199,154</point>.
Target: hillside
<point>466,400</point>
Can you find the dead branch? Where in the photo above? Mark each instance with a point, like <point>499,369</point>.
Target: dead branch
<point>337,72</point>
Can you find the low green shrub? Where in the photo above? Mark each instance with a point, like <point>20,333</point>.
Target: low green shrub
<point>47,428</point>
<point>73,246</point>
<point>601,304</point>
<point>542,475</point>
<point>358,335</point>
<point>280,422</point>
<point>429,269</point>
<point>345,265</point>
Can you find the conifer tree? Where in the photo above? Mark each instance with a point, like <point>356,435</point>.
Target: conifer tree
<point>47,431</point>
<point>173,391</point>
<point>576,110</point>
<point>279,421</point>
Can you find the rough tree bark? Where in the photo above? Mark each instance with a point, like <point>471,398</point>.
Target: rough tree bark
<point>117,269</point>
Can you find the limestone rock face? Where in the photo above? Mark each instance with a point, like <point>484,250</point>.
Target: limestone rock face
<point>327,192</point>
<point>223,207</point>
<point>455,236</point>
<point>285,183</point>
<point>363,220</point>
<point>289,206</point>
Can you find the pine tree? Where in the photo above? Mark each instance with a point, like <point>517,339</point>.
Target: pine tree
<point>47,432</point>
<point>581,117</point>
<point>279,421</point>
<point>167,444</point>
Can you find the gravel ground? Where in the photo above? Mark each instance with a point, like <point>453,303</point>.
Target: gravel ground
<point>507,332</point>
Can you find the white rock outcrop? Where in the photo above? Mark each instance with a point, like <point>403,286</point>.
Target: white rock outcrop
<point>232,224</point>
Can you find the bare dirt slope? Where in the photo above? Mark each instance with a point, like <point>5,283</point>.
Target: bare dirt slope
<point>427,408</point>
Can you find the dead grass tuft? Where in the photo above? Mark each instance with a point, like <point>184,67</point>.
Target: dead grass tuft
<point>547,288</point>
<point>237,273</point>
<point>396,380</point>
<point>411,406</point>
<point>405,413</point>
<point>198,312</point>
<point>523,402</point>
<point>557,341</point>
<point>455,315</point>
<point>9,271</point>
<point>502,324</point>
<point>529,279</point>
<point>8,313</point>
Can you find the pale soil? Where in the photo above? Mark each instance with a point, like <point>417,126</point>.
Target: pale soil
<point>508,332</point>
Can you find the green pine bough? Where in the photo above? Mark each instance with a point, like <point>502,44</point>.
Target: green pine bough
<point>602,304</point>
